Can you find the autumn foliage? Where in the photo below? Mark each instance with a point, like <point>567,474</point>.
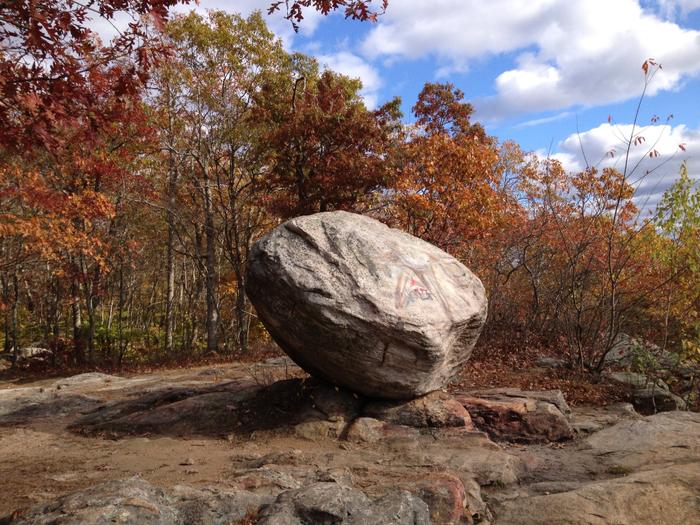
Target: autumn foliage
<point>329,151</point>
<point>136,174</point>
<point>446,185</point>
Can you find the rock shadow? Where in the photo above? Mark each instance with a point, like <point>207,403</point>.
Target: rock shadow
<point>22,410</point>
<point>236,407</point>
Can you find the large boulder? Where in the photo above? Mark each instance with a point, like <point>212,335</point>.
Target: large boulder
<point>365,306</point>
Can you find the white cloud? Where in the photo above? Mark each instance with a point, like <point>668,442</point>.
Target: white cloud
<point>107,29</point>
<point>568,52</point>
<point>454,29</point>
<point>354,66</point>
<point>651,176</point>
<point>674,8</point>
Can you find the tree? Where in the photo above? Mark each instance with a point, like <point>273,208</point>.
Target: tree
<point>75,157</point>
<point>447,174</point>
<point>46,44</point>
<point>212,100</point>
<point>677,220</point>
<point>70,107</point>
<point>327,150</point>
<point>354,9</point>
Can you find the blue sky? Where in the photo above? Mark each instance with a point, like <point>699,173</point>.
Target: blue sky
<point>536,70</point>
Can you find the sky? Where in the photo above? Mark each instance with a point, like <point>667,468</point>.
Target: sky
<point>560,77</point>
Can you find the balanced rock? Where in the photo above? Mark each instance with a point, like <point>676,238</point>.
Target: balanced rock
<point>365,306</point>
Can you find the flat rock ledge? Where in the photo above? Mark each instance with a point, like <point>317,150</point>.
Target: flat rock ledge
<point>316,410</point>
<point>312,409</point>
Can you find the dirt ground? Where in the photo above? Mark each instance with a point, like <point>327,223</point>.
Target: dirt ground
<point>40,459</point>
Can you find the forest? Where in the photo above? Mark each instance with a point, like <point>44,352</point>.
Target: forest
<point>135,176</point>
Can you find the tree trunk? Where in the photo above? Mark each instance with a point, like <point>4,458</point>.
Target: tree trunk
<point>7,343</point>
<point>77,322</point>
<point>212,322</point>
<point>170,263</point>
<point>121,346</point>
<point>241,319</point>
<point>13,325</point>
<point>170,287</point>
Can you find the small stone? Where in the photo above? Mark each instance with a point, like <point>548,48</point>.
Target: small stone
<point>434,410</point>
<point>445,496</point>
<point>319,429</point>
<point>550,362</point>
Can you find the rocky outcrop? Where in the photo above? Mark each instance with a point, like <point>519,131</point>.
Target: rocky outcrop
<point>587,420</point>
<point>641,470</point>
<point>523,417</point>
<point>641,442</point>
<point>553,397</point>
<point>341,505</point>
<point>659,497</point>
<point>19,405</point>
<point>364,306</point>
<point>624,468</point>
<point>627,349</point>
<point>135,500</point>
<point>312,408</point>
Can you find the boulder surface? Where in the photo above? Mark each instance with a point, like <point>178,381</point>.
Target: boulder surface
<point>365,306</point>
